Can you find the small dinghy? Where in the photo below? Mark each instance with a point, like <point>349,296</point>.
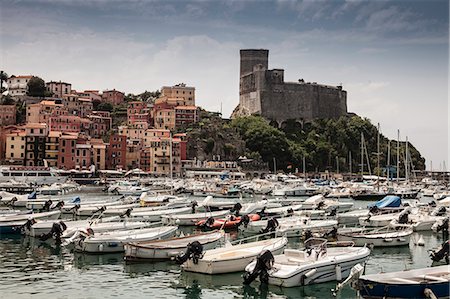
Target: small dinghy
<point>115,241</point>
<point>170,248</point>
<point>231,221</point>
<point>317,263</point>
<point>419,283</point>
<point>378,237</point>
<point>231,258</point>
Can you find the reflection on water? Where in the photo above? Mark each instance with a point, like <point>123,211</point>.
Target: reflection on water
<point>44,270</point>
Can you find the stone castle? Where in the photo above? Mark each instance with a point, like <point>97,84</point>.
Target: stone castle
<point>264,92</point>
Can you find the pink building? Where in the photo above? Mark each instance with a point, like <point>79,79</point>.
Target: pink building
<point>70,123</point>
<point>114,97</point>
<point>138,112</point>
<point>101,123</point>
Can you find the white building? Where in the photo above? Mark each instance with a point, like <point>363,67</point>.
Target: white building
<point>18,85</point>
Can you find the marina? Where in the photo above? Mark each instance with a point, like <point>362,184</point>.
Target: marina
<point>160,255</point>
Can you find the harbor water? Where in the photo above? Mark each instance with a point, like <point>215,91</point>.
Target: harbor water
<point>30,268</point>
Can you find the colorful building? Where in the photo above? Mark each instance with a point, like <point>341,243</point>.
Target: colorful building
<point>15,147</point>
<point>114,97</point>
<point>35,139</point>
<point>7,115</point>
<point>116,152</point>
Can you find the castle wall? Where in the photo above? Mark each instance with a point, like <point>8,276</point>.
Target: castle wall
<point>264,92</point>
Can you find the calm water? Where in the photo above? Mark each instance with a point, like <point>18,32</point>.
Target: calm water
<point>30,268</point>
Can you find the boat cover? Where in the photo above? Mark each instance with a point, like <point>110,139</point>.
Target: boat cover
<point>390,201</point>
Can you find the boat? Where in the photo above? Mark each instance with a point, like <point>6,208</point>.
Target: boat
<point>298,227</point>
<point>378,237</point>
<point>319,202</point>
<point>155,215</point>
<point>114,241</point>
<point>231,221</point>
<point>367,194</point>
<point>234,257</point>
<point>11,224</point>
<point>418,283</point>
<point>38,175</point>
<point>420,220</point>
<point>191,219</point>
<point>317,263</point>
<point>170,248</point>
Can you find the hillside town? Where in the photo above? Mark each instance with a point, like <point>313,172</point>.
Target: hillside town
<point>66,129</point>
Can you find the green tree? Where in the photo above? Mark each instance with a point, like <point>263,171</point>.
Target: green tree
<point>7,100</point>
<point>3,78</point>
<point>105,107</point>
<point>36,87</point>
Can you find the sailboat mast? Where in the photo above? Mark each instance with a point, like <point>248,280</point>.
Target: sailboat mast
<point>398,155</point>
<point>362,154</point>
<point>388,164</point>
<point>406,160</point>
<point>378,156</point>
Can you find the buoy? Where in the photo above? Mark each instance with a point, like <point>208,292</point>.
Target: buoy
<point>310,272</point>
<point>421,241</point>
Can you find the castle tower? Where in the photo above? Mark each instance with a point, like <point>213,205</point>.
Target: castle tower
<point>252,57</point>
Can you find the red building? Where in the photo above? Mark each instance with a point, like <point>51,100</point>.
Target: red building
<point>183,145</point>
<point>138,112</point>
<point>67,147</point>
<point>114,97</point>
<point>7,115</point>
<point>116,152</point>
<point>185,115</point>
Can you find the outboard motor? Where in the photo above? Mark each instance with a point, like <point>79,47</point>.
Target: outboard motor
<point>290,212</point>
<point>193,251</point>
<point>100,210</point>
<point>27,225</point>
<point>59,205</point>
<point>272,225</point>
<point>47,206</point>
<point>11,202</point>
<point>432,204</point>
<point>308,234</point>
<point>330,234</point>
<point>262,213</point>
<point>333,212</point>
<point>320,205</point>
<point>245,220</point>
<point>264,263</point>
<point>441,211</point>
<point>444,228</point>
<point>194,205</point>
<point>374,210</point>
<point>56,232</point>
<point>403,217</point>
<point>444,252</point>
<point>236,208</point>
<point>208,223</point>
<point>127,213</point>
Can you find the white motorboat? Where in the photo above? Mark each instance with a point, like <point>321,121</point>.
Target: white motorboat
<point>378,237</point>
<point>89,210</point>
<point>421,220</point>
<point>321,203</point>
<point>191,219</point>
<point>115,241</point>
<point>317,263</point>
<point>283,211</point>
<point>378,220</point>
<point>12,223</point>
<point>232,258</point>
<point>170,248</point>
<point>14,200</point>
<point>154,216</point>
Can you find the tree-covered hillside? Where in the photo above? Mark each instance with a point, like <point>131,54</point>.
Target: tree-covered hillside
<point>325,143</point>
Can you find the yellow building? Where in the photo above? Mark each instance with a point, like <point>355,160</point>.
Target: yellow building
<point>98,153</point>
<point>52,148</point>
<point>15,147</point>
<point>165,119</point>
<point>158,154</point>
<point>180,91</point>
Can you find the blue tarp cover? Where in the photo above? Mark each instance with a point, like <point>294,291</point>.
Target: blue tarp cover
<point>390,201</point>
<point>32,195</point>
<point>76,200</point>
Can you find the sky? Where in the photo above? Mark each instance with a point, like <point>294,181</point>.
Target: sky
<point>392,57</point>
